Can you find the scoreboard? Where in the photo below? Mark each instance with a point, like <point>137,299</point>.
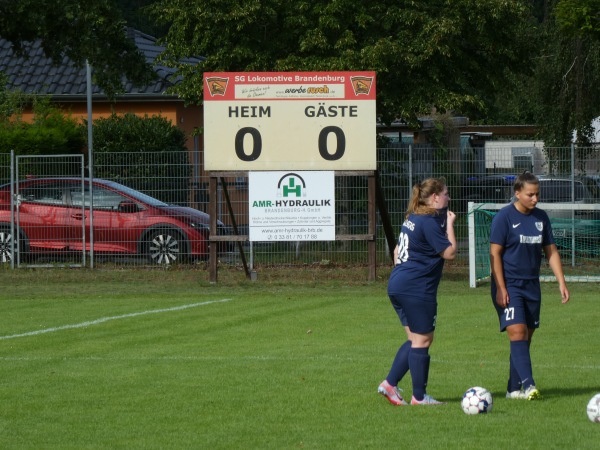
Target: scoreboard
<point>265,121</point>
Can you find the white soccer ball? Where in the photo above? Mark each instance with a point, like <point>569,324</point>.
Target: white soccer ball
<point>477,400</point>
<point>593,408</point>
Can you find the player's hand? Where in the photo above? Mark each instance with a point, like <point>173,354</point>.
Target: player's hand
<point>502,298</point>
<point>451,217</point>
<point>564,293</point>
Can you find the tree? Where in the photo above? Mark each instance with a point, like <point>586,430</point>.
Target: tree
<point>136,15</point>
<point>561,94</point>
<point>566,88</point>
<point>51,132</point>
<point>579,17</point>
<point>90,31</point>
<point>567,73</point>
<point>145,153</point>
<point>430,53</point>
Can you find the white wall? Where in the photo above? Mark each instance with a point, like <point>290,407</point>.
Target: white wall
<point>505,155</point>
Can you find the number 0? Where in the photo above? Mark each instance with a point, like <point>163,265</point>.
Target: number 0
<point>257,143</point>
<point>341,143</point>
<point>239,144</point>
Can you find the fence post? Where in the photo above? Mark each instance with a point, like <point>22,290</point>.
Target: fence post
<point>212,207</point>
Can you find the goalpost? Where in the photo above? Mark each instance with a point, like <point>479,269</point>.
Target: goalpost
<point>576,230</point>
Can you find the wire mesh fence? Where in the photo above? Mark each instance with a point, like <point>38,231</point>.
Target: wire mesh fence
<point>159,202</point>
<point>576,231</point>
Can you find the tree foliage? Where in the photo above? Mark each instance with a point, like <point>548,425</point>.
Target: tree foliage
<point>563,95</point>
<point>145,153</point>
<point>92,31</point>
<point>579,18</point>
<point>51,132</point>
<point>136,15</point>
<point>452,56</point>
<point>566,88</point>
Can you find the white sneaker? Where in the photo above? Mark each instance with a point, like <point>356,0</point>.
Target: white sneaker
<point>532,393</point>
<point>427,400</point>
<point>520,395</point>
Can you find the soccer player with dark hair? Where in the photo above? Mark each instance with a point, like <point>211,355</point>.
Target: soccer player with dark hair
<point>426,240</point>
<point>520,233</point>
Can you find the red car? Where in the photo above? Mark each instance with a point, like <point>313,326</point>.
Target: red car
<point>52,216</point>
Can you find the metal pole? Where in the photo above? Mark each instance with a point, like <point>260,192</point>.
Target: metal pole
<point>88,71</point>
<point>410,171</point>
<point>13,201</point>
<point>572,202</point>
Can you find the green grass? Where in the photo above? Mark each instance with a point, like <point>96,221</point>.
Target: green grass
<point>290,361</point>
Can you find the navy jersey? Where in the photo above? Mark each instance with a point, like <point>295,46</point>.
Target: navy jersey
<point>418,269</point>
<point>523,237</point>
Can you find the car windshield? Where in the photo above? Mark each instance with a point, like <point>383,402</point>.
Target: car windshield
<point>136,194</point>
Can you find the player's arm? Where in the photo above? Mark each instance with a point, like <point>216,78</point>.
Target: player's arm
<point>496,251</point>
<point>395,260</point>
<point>555,264</point>
<point>450,252</point>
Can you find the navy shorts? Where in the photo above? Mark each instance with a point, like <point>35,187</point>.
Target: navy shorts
<point>417,313</point>
<point>525,302</point>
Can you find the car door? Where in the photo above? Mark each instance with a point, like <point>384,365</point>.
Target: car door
<point>43,215</point>
<point>115,220</point>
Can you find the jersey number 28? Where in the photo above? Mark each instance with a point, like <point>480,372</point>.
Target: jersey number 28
<point>402,248</point>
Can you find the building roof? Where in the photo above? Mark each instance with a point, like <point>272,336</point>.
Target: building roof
<point>35,73</point>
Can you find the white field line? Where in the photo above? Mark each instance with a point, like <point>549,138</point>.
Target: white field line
<point>267,359</point>
<point>106,319</point>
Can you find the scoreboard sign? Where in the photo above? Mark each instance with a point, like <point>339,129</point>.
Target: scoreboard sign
<point>289,121</point>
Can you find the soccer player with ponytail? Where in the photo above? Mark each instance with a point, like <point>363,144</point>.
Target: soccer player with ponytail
<point>520,233</point>
<point>426,240</point>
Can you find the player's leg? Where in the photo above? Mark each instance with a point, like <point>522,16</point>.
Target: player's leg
<point>389,387</point>
<point>400,364</point>
<point>512,320</point>
<point>421,316</point>
<point>419,361</point>
<point>532,304</point>
<point>513,387</point>
<point>519,320</point>
<point>519,353</point>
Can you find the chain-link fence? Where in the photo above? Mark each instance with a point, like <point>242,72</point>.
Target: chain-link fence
<point>153,214</point>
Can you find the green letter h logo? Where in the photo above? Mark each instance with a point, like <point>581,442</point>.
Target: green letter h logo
<point>292,188</point>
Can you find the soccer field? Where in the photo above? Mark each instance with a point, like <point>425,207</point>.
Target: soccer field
<point>165,360</point>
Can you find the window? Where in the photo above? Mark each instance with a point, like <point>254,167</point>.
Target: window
<point>559,191</point>
<point>47,194</point>
<point>522,163</point>
<point>103,198</point>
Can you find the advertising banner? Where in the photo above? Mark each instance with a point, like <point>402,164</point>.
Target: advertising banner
<point>291,206</point>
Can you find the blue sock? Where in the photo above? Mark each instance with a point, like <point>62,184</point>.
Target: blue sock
<point>519,351</point>
<point>400,364</point>
<point>514,382</point>
<point>418,361</point>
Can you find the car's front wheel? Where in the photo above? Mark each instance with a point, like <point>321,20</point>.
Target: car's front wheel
<point>165,246</point>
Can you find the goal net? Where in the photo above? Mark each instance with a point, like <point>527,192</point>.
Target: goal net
<point>576,230</point>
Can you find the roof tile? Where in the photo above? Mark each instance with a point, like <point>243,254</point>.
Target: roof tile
<point>36,73</point>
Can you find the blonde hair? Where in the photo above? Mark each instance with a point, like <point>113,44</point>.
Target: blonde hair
<point>421,193</point>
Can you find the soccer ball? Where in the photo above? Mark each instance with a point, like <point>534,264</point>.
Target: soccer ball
<point>477,400</point>
<point>593,408</point>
